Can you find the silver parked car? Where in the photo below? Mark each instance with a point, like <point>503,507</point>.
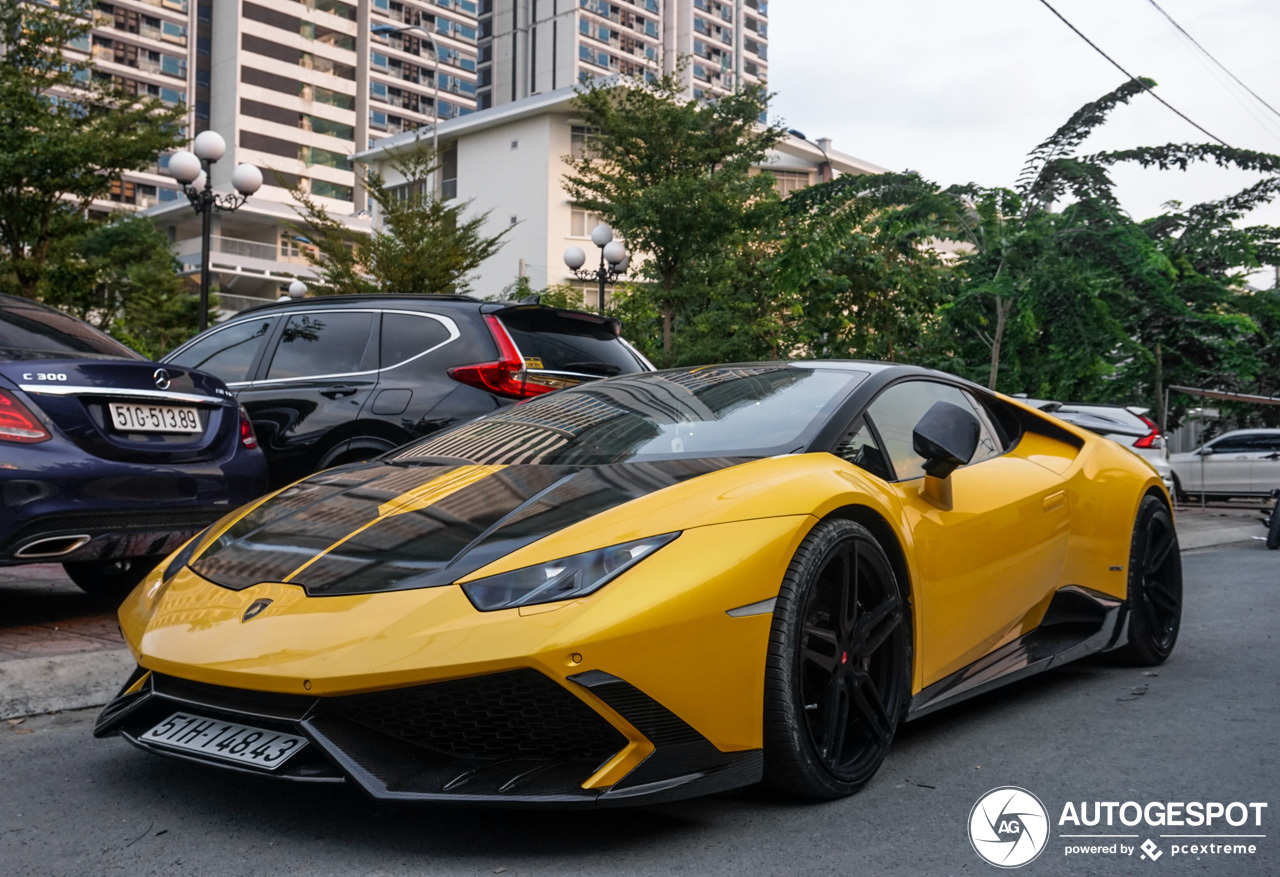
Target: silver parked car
<point>1243,462</point>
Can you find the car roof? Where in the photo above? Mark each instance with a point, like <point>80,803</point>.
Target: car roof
<point>382,299</point>
<point>13,303</point>
<point>1261,430</point>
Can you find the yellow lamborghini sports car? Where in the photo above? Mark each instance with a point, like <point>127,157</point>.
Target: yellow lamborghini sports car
<point>651,587</point>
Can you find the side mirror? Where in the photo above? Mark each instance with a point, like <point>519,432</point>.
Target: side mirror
<point>1206,451</point>
<point>947,437</point>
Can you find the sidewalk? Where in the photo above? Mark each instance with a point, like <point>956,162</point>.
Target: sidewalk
<point>1219,524</point>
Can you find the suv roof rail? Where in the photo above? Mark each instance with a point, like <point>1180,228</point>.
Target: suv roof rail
<point>361,297</point>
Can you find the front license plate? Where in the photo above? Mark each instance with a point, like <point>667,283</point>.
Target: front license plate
<point>226,740</point>
<point>154,418</point>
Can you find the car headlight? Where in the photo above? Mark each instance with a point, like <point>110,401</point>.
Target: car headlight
<point>565,579</point>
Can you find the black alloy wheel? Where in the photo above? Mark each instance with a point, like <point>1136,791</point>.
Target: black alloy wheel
<point>1154,601</point>
<point>838,674</point>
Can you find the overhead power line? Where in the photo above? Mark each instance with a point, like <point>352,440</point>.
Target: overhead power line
<point>1183,31</point>
<point>1116,64</point>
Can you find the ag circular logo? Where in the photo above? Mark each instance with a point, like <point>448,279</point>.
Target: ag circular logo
<point>1008,827</point>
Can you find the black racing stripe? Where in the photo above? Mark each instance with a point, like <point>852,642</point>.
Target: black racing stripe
<point>423,542</point>
<point>433,540</point>
<point>432,546</point>
<point>288,530</point>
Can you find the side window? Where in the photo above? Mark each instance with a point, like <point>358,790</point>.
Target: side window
<point>859,448</point>
<point>897,410</point>
<point>1238,444</point>
<point>227,353</point>
<point>332,343</point>
<point>404,336</point>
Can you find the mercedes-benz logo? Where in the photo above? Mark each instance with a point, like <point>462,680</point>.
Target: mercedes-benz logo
<point>254,610</point>
<point>162,379</point>
<point>1008,827</point>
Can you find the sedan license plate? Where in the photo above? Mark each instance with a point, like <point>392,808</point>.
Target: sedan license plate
<point>226,740</point>
<point>154,418</point>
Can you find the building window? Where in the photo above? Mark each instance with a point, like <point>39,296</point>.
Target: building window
<point>787,182</point>
<point>582,140</point>
<point>290,246</point>
<point>449,172</point>
<point>582,221</point>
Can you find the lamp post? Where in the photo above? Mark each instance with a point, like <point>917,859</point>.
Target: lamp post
<point>297,290</point>
<point>386,30</point>
<point>826,172</point>
<point>614,260</point>
<point>191,169</point>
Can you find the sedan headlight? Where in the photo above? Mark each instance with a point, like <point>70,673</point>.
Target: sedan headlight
<point>563,579</point>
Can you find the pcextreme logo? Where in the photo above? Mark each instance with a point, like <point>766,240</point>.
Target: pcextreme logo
<point>1009,827</point>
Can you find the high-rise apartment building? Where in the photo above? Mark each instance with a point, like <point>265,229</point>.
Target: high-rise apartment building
<point>146,47</point>
<point>296,87</point>
<point>530,47</point>
<point>300,86</point>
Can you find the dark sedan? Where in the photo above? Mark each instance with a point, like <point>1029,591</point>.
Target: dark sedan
<point>108,461</point>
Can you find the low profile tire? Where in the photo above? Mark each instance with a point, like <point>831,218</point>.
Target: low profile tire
<point>1154,602</point>
<point>837,677</point>
<point>1273,528</point>
<point>111,579</point>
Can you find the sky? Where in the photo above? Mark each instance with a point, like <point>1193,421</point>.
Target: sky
<point>962,91</point>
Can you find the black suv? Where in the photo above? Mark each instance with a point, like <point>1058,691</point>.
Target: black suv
<point>338,379</point>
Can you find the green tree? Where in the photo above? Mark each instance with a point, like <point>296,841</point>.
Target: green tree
<point>121,276</point>
<point>423,245</point>
<point>67,133</point>
<point>674,177</point>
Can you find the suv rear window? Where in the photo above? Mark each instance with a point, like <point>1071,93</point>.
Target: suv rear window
<point>551,341</point>
<point>36,332</point>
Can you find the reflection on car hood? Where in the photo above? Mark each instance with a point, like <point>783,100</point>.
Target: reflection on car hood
<point>382,528</point>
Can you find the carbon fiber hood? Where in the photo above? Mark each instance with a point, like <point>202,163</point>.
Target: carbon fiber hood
<point>376,528</point>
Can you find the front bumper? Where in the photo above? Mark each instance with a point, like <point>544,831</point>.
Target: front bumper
<point>654,658</point>
<point>515,739</point>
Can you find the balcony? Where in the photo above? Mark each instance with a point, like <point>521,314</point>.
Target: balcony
<point>241,257</point>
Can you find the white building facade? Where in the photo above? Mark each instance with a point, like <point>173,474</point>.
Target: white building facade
<point>510,162</point>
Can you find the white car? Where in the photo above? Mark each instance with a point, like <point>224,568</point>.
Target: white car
<point>1243,462</point>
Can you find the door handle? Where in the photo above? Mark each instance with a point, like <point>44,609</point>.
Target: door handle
<point>338,392</point>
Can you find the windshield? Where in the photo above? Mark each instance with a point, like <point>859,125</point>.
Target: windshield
<point>36,333</point>
<point>718,411</point>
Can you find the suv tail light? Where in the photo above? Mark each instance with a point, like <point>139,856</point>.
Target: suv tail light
<point>247,437</point>
<point>506,377</point>
<point>1151,439</point>
<point>18,424</point>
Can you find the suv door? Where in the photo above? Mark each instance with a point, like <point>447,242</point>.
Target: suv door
<point>317,375</point>
<point>985,565</point>
<point>1227,470</point>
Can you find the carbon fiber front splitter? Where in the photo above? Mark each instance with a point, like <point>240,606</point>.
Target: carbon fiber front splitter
<point>515,739</point>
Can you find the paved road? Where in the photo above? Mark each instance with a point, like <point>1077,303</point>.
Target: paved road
<point>1203,729</point>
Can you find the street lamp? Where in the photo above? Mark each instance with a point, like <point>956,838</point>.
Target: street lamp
<point>386,30</point>
<point>297,290</point>
<point>191,169</point>
<point>827,171</point>
<point>614,260</point>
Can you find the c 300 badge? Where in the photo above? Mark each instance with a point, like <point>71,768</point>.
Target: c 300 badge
<point>255,609</point>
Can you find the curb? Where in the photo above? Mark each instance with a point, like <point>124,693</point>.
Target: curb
<point>30,686</point>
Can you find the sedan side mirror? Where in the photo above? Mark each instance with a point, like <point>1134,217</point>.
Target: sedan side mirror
<point>947,437</point>
<point>1206,451</point>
